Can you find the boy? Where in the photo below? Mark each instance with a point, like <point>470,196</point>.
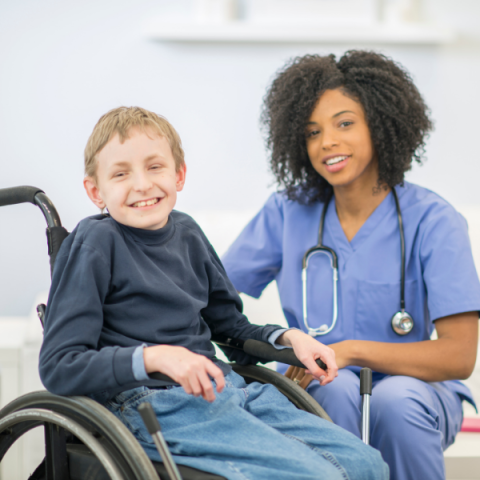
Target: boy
<point>141,290</point>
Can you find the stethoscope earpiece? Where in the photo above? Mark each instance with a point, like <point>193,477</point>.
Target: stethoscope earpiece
<point>402,323</point>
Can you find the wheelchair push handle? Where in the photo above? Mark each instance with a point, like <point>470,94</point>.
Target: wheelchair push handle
<point>150,420</point>
<point>35,196</point>
<point>15,195</point>
<point>27,194</point>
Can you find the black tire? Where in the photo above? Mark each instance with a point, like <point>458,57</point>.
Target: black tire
<point>297,395</point>
<point>115,438</point>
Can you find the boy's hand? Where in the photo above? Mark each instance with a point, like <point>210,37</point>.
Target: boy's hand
<point>190,370</point>
<point>307,350</point>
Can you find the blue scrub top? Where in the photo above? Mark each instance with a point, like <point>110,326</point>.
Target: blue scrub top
<point>440,277</point>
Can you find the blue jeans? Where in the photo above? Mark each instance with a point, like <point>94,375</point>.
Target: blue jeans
<point>248,432</point>
<point>411,421</point>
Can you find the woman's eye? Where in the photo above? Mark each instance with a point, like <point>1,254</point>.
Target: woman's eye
<point>312,133</point>
<point>346,124</point>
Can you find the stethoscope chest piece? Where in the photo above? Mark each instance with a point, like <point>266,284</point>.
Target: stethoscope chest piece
<point>402,323</point>
<point>314,332</point>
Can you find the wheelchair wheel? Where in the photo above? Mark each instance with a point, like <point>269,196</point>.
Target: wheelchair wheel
<point>297,395</point>
<point>83,441</point>
<point>118,455</point>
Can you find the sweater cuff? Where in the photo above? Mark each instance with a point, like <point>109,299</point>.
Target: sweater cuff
<point>122,365</point>
<point>273,337</point>
<point>138,365</point>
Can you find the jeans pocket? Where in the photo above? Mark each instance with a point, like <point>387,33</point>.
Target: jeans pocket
<point>135,399</point>
<point>129,415</point>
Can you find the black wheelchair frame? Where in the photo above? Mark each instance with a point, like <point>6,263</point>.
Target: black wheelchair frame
<point>83,440</point>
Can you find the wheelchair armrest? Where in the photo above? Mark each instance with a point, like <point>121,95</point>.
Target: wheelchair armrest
<point>263,350</point>
<point>161,376</point>
<point>252,347</point>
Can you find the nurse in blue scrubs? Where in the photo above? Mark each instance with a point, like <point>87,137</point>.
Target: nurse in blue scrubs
<point>342,134</point>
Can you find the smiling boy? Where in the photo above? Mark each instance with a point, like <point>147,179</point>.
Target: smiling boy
<point>141,290</point>
<point>138,179</point>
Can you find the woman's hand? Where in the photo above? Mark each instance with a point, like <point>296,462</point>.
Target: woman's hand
<point>307,350</point>
<point>190,370</point>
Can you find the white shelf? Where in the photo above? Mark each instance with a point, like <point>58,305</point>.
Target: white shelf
<point>244,32</point>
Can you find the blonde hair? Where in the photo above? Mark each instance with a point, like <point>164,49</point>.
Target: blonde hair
<point>121,120</point>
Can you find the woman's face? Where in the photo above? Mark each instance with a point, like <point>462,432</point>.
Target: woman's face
<point>339,143</point>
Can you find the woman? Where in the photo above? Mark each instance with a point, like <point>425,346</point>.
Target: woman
<point>342,135</point>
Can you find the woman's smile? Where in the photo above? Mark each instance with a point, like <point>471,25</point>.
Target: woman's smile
<point>336,162</point>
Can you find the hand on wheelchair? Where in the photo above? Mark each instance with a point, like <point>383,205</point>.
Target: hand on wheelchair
<point>307,350</point>
<point>190,370</point>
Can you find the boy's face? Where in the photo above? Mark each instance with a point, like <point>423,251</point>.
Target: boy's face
<point>136,180</point>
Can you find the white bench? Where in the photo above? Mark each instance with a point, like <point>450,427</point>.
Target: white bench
<point>20,340</point>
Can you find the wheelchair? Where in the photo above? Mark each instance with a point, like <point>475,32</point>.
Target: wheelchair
<point>83,440</point>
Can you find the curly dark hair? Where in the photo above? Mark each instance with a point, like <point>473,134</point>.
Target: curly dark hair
<point>395,112</point>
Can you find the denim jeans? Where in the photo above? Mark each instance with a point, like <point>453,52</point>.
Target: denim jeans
<point>248,432</point>
<point>411,421</point>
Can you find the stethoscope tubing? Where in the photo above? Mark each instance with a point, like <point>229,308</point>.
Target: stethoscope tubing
<point>320,331</point>
<point>320,248</point>
<point>402,251</point>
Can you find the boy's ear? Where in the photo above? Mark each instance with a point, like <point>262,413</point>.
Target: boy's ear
<point>181,174</point>
<point>93,192</point>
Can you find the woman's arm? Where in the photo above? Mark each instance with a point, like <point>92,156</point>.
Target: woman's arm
<point>451,356</point>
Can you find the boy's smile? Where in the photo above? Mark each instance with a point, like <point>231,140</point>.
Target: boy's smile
<point>146,203</point>
<point>137,180</point>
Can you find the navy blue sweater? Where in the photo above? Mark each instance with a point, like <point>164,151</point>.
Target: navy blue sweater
<point>115,287</point>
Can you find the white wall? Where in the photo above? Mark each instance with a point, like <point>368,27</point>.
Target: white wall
<point>63,64</point>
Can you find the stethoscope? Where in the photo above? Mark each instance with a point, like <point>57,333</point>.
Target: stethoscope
<point>402,321</point>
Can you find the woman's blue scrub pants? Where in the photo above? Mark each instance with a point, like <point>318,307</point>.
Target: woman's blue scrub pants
<point>250,432</point>
<point>411,422</point>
